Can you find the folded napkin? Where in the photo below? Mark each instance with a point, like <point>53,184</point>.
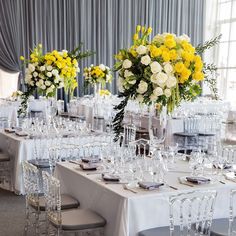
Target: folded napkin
<point>9,130</point>
<point>94,159</point>
<point>88,166</point>
<point>198,180</point>
<point>150,185</point>
<point>21,133</point>
<point>110,177</point>
<point>231,176</point>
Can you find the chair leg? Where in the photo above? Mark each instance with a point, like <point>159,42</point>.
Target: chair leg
<point>26,219</point>
<point>37,222</point>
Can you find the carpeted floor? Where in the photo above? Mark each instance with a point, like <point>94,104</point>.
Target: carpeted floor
<point>12,214</point>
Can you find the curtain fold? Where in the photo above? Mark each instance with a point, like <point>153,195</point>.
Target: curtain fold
<point>103,26</point>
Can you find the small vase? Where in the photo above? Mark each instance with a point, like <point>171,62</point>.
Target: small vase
<point>96,89</point>
<point>157,125</point>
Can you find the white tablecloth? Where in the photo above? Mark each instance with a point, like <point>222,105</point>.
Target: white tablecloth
<point>21,149</point>
<point>128,213</point>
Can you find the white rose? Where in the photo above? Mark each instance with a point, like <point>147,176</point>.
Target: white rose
<point>56,80</point>
<point>55,72</point>
<point>64,50</point>
<point>102,67</point>
<point>139,98</point>
<point>49,74</point>
<point>42,68</point>
<point>145,60</point>
<point>47,83</point>
<point>159,38</point>
<point>153,97</point>
<point>127,63</point>
<point>158,91</point>
<point>155,67</point>
<point>167,92</point>
<point>31,83</point>
<point>154,78</point>
<point>161,79</point>
<point>49,68</point>
<point>52,86</point>
<point>35,74</point>
<point>38,84</point>
<point>31,67</point>
<point>127,73</point>
<point>141,50</point>
<point>29,76</point>
<point>171,82</point>
<point>142,87</point>
<point>168,68</point>
<point>41,81</point>
<point>184,37</point>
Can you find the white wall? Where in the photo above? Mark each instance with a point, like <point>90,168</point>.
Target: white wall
<point>8,83</point>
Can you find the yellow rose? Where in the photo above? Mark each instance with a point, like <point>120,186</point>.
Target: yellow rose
<point>135,37</point>
<point>186,73</point>
<point>155,51</point>
<point>22,58</point>
<point>198,66</point>
<point>59,65</point>
<point>119,56</point>
<point>52,58</point>
<point>49,62</point>
<point>179,67</point>
<point>64,54</point>
<point>32,55</point>
<point>198,76</point>
<point>169,37</point>
<point>68,74</point>
<point>165,56</point>
<point>170,43</point>
<point>187,56</point>
<point>73,74</point>
<point>173,54</point>
<point>143,29</point>
<point>75,62</point>
<point>187,64</point>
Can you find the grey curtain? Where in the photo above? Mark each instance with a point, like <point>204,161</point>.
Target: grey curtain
<point>103,26</point>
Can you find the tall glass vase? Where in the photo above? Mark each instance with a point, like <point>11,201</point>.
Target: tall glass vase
<point>96,89</point>
<point>157,125</point>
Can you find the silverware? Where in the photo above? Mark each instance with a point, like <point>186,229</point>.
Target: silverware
<point>171,187</point>
<point>129,189</point>
<point>221,182</point>
<point>116,183</point>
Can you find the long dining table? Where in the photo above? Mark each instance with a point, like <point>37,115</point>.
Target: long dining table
<point>128,212</point>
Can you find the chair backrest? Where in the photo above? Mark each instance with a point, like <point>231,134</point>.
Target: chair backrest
<point>53,197</point>
<point>31,181</point>
<point>63,152</point>
<point>191,124</point>
<point>140,147</point>
<point>192,211</point>
<point>129,134</point>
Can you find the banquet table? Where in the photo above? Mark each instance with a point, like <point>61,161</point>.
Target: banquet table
<point>126,212</point>
<point>23,148</point>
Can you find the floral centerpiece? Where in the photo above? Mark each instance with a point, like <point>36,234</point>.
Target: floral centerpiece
<point>97,76</point>
<point>48,72</point>
<point>162,71</point>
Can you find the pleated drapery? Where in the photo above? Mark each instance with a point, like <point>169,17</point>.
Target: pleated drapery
<point>104,26</point>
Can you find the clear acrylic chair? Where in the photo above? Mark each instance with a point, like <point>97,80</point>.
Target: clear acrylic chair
<point>141,148</point>
<point>73,220</point>
<point>226,226</point>
<point>35,200</point>
<point>190,214</point>
<point>128,135</point>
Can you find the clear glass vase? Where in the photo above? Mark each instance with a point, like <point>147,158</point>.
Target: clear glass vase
<point>96,89</point>
<point>157,125</point>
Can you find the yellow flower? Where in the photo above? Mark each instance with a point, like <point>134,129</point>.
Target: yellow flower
<point>64,54</point>
<point>22,58</point>
<point>165,56</point>
<point>119,56</point>
<point>52,58</point>
<point>59,58</point>
<point>75,62</point>
<point>63,71</point>
<point>169,37</point>
<point>198,66</point>
<point>138,28</point>
<point>68,74</point>
<point>49,62</point>
<point>155,51</point>
<point>58,65</point>
<point>143,29</point>
<point>173,54</point>
<point>149,30</point>
<point>198,76</point>
<point>186,64</point>
<point>170,43</point>
<point>135,37</point>
<point>186,73</point>
<point>187,56</point>
<point>73,74</point>
<point>32,55</point>
<point>179,67</point>
<point>40,45</point>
